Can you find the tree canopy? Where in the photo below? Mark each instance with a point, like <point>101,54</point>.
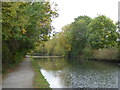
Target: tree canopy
<point>83,33</point>
<point>102,32</point>
<point>24,25</point>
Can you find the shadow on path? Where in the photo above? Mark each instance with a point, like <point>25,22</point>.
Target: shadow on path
<point>21,77</point>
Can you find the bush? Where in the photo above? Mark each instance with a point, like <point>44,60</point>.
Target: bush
<point>87,51</point>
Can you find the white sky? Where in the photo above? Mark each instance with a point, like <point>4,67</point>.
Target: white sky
<point>70,9</point>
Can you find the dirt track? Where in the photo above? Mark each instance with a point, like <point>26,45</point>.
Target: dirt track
<point>21,77</point>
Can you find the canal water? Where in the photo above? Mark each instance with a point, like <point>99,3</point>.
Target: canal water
<point>74,73</point>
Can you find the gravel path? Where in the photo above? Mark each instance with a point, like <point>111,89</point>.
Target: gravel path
<point>21,77</point>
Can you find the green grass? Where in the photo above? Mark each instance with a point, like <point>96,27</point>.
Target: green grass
<point>38,80</point>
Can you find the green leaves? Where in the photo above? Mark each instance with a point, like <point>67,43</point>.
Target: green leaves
<point>77,35</point>
<point>102,32</point>
<point>72,40</point>
<point>30,20</point>
<point>25,24</point>
<point>97,33</point>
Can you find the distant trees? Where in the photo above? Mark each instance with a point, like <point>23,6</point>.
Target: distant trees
<point>102,33</point>
<point>84,33</point>
<point>24,25</point>
<point>77,38</point>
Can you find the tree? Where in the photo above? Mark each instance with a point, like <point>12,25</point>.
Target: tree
<point>78,38</point>
<point>24,25</point>
<point>50,46</point>
<point>85,18</point>
<point>102,32</point>
<point>71,40</point>
<point>77,35</point>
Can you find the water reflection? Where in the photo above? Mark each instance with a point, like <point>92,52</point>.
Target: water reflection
<point>63,73</point>
<point>52,78</point>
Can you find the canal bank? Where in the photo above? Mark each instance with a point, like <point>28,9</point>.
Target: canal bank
<point>38,80</point>
<point>115,61</point>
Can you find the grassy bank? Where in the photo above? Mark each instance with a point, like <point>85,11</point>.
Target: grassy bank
<point>105,55</point>
<point>39,81</point>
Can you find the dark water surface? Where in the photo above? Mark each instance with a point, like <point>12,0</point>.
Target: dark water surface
<point>72,73</point>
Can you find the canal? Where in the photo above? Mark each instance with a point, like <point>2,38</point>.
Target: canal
<point>76,73</point>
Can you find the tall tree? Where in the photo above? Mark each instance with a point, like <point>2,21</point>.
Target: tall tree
<point>102,32</point>
<point>23,25</point>
<point>77,35</point>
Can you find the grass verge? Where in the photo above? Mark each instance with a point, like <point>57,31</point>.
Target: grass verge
<point>38,80</point>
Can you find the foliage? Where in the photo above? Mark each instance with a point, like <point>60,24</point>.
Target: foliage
<point>78,38</point>
<point>86,19</point>
<point>24,25</point>
<point>82,36</point>
<point>77,35</point>
<point>102,33</point>
<point>73,35</point>
<point>87,51</point>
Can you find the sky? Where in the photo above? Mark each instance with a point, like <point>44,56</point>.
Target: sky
<point>70,9</point>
